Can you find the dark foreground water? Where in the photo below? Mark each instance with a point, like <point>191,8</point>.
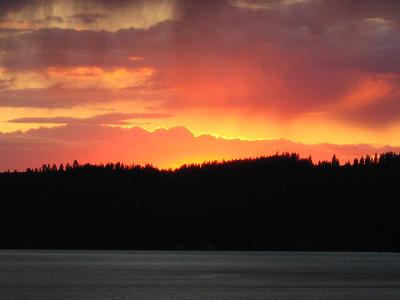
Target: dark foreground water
<point>198,275</point>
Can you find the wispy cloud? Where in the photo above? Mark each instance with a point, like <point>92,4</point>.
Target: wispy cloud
<point>103,119</point>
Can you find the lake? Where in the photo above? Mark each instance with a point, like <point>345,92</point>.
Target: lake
<point>198,275</point>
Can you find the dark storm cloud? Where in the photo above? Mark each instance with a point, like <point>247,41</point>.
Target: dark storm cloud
<point>13,6</point>
<point>299,12</point>
<point>88,18</point>
<point>7,6</point>
<point>360,44</point>
<point>192,10</point>
<point>115,4</point>
<point>49,19</point>
<point>68,48</point>
<point>320,15</point>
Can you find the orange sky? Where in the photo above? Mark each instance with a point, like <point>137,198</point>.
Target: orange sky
<point>308,71</point>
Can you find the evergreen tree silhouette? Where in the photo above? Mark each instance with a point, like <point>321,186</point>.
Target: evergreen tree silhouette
<point>279,202</point>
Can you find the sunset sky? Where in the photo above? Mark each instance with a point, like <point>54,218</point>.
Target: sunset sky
<point>232,78</point>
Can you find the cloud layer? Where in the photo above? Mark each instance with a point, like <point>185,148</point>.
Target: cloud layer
<point>334,62</point>
<point>163,147</point>
<point>285,57</point>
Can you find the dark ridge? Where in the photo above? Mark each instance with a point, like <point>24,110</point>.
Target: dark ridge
<point>279,202</point>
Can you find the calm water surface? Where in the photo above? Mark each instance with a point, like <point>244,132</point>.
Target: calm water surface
<point>198,275</point>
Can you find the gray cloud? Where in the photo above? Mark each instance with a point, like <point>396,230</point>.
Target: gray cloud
<point>48,19</point>
<point>53,97</point>
<point>296,12</point>
<point>13,5</point>
<point>16,5</point>
<point>355,43</point>
<point>88,18</point>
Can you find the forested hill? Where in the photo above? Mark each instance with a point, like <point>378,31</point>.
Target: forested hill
<point>279,202</point>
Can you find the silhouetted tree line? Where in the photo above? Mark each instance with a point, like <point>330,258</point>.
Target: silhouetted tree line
<point>280,202</point>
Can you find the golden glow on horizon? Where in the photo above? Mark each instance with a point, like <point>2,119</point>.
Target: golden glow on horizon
<point>305,130</point>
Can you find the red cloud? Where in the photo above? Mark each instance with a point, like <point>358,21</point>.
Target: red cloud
<point>287,59</point>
